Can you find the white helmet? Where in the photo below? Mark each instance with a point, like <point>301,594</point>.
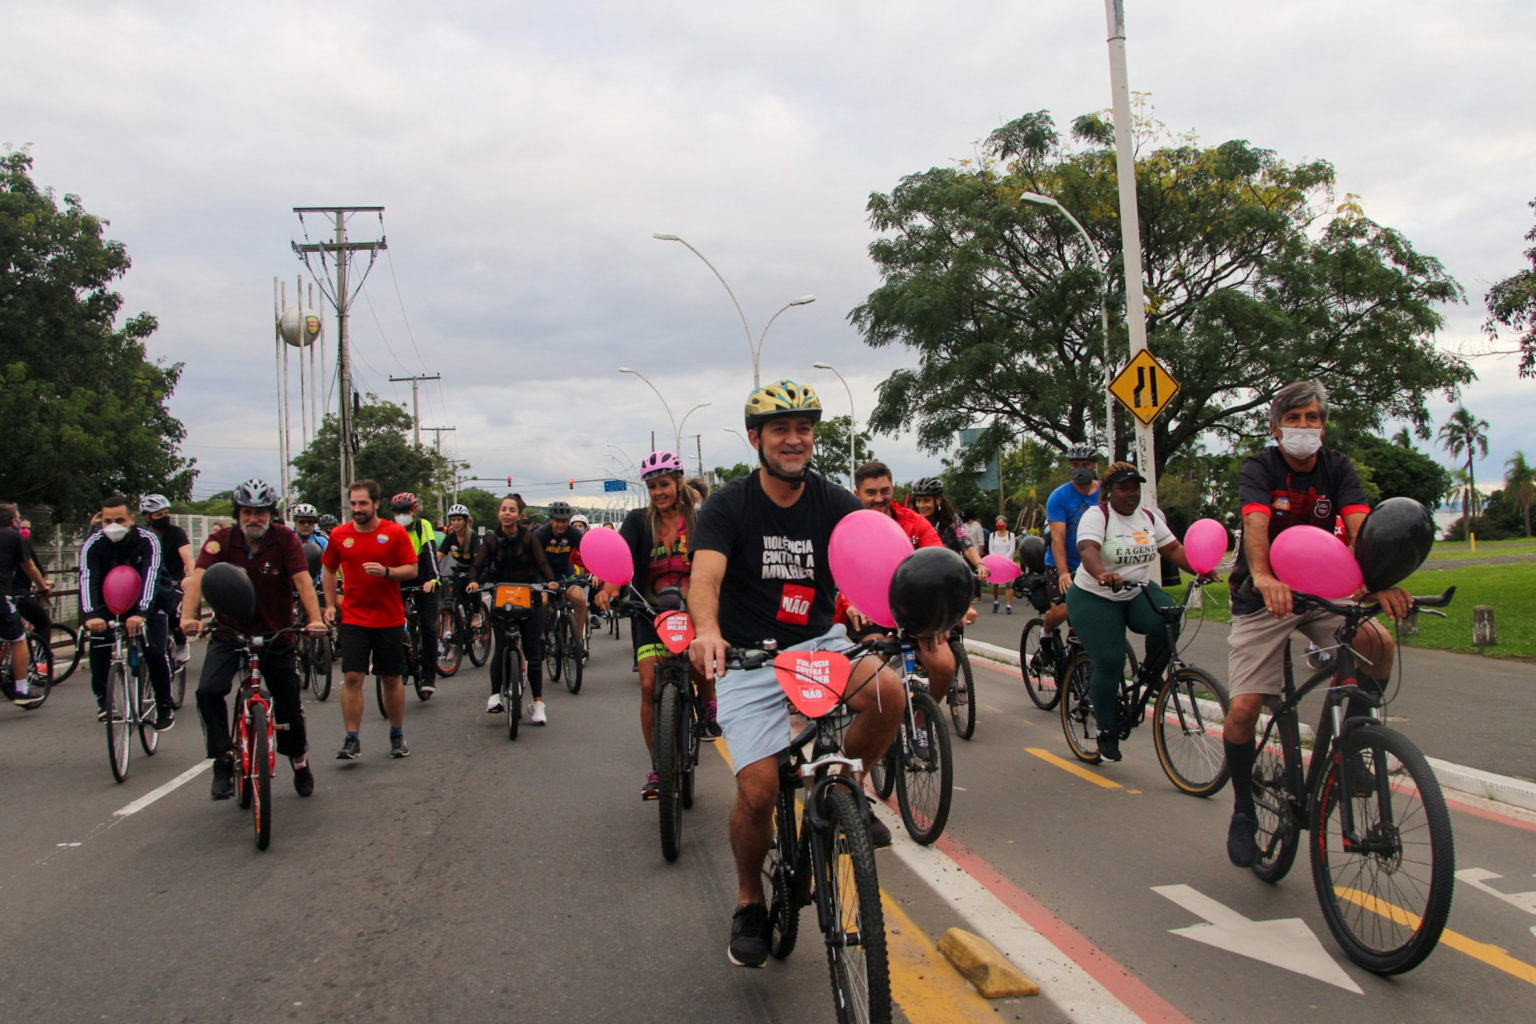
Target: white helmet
<point>152,503</point>
<point>458,510</point>
<point>578,520</point>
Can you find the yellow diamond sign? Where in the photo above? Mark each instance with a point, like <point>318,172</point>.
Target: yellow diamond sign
<point>1144,387</point>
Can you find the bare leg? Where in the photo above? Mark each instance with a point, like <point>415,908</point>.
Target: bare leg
<point>757,787</point>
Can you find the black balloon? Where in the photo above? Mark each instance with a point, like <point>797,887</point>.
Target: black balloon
<point>312,553</point>
<point>1032,553</point>
<point>229,592</point>
<point>931,591</point>
<point>1394,540</point>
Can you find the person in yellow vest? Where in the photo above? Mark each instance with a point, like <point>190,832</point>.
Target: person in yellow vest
<point>406,508</point>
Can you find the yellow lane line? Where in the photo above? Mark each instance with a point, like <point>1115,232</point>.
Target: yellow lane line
<point>1496,957</point>
<point>1075,769</point>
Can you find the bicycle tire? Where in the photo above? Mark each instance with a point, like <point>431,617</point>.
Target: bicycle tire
<point>962,692</point>
<point>378,695</point>
<point>1386,906</point>
<point>241,732</point>
<point>512,689</point>
<point>119,720</point>
<point>669,770</point>
<point>1187,733</point>
<point>692,729</point>
<point>570,653</point>
<point>1078,723</point>
<point>39,682</point>
<point>414,660</point>
<point>450,643</point>
<point>882,774</point>
<point>323,665</point>
<point>261,777</point>
<point>926,783</point>
<point>149,736</point>
<point>855,936</point>
<point>178,683</point>
<point>65,644</point>
<point>1278,835</point>
<point>552,655</point>
<point>479,649</point>
<point>1035,666</point>
<point>780,868</point>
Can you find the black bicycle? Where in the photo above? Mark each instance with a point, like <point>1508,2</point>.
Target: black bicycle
<point>961,697</point>
<point>316,658</point>
<point>564,652</point>
<point>1383,857</point>
<point>512,603</point>
<point>413,656</point>
<point>918,764</point>
<point>1189,709</point>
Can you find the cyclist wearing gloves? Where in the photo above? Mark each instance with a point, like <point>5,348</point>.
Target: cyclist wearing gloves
<point>560,541</point>
<point>760,571</point>
<point>511,555</point>
<point>406,509</point>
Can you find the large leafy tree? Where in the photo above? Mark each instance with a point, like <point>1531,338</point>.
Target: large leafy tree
<point>831,454</point>
<point>384,453</point>
<point>1520,486</point>
<point>84,408</point>
<point>1463,434</point>
<point>1512,307</point>
<point>1254,278</point>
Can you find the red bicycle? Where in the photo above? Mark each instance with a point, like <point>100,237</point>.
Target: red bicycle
<point>254,732</point>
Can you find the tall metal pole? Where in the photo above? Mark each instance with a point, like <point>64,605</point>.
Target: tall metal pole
<point>343,363</point>
<point>664,405</point>
<point>678,448</point>
<point>1130,226</point>
<point>277,358</point>
<point>853,424</point>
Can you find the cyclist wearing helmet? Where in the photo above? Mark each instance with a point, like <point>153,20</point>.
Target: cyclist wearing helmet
<point>459,543</point>
<point>176,547</point>
<point>509,554</point>
<point>928,499</point>
<point>305,523</point>
<point>18,571</point>
<point>658,537</point>
<point>327,524</point>
<point>273,558</point>
<point>1063,510</point>
<point>760,571</point>
<point>406,508</point>
<point>560,542</point>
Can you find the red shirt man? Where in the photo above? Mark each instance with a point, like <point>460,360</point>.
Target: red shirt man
<point>368,600</point>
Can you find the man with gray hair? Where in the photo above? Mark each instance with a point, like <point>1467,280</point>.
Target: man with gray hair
<point>1296,482</point>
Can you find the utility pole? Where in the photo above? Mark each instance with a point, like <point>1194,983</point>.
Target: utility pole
<point>442,515</point>
<point>342,250</point>
<point>416,400</point>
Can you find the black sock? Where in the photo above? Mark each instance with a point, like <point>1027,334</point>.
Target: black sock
<point>1240,757</point>
<point>1357,707</point>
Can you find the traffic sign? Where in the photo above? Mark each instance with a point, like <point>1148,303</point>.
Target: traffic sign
<point>614,485</point>
<point>1144,387</point>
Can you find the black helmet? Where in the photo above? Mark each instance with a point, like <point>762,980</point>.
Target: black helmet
<point>1394,540</point>
<point>255,494</point>
<point>312,554</point>
<point>327,521</point>
<point>559,510</point>
<point>1082,451</point>
<point>928,487</point>
<point>229,592</point>
<point>931,591</point>
<point>1032,553</point>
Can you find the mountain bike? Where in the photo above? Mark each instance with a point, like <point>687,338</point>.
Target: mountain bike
<point>1188,710</point>
<point>317,662</point>
<point>470,623</point>
<point>413,656</point>
<point>512,603</point>
<point>129,700</point>
<point>254,732</point>
<point>826,858</point>
<point>39,681</point>
<point>1383,856</point>
<point>918,764</point>
<point>564,655</point>
<point>961,698</point>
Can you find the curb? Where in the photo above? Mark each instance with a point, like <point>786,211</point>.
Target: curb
<point>1475,782</point>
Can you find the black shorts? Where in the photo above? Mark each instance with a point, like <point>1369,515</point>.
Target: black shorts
<point>11,627</point>
<point>387,645</point>
<point>1053,586</point>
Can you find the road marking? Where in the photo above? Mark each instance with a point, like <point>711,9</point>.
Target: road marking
<point>1075,769</point>
<point>1284,942</point>
<point>1496,957</point>
<point>155,794</point>
<point>1479,878</point>
<point>922,981</point>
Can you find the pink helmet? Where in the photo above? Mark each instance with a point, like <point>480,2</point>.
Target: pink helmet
<point>660,462</point>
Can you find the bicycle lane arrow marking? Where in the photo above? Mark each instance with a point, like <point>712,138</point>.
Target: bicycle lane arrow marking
<point>1284,942</point>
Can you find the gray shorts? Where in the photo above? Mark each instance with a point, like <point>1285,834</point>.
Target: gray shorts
<point>752,709</point>
<point>1256,642</point>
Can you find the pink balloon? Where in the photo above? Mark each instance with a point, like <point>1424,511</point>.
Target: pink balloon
<point>606,556</point>
<point>1002,570</point>
<point>1205,542</point>
<point>121,589</point>
<point>1314,561</point>
<point>865,549</point>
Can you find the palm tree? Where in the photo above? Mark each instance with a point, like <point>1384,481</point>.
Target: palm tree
<point>1465,434</point>
<point>1520,483</point>
<point>1402,438</point>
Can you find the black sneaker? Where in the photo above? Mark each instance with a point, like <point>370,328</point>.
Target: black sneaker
<point>1242,846</point>
<point>1362,781</point>
<point>303,781</point>
<point>165,718</point>
<point>749,936</point>
<point>879,834</point>
<point>1109,746</point>
<point>397,747</point>
<point>224,776</point>
<point>350,750</point>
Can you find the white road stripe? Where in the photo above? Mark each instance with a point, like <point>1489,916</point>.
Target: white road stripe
<point>160,791</point>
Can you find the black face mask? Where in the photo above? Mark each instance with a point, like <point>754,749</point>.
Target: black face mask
<point>1083,476</point>
<point>159,525</point>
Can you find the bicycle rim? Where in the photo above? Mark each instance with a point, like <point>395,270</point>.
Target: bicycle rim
<point>1387,899</point>
<point>261,778</point>
<point>882,774</point>
<point>861,989</point>
<point>324,665</point>
<point>479,639</point>
<point>149,737</point>
<point>119,720</point>
<point>66,647</point>
<point>1078,724</point>
<point>1277,838</point>
<point>39,680</point>
<point>778,877</point>
<point>178,684</point>
<point>926,783</point>
<point>669,770</point>
<point>570,656</point>
<point>512,690</point>
<point>1187,724</point>
<point>962,692</point>
<point>1035,665</point>
<point>450,645</point>
<point>552,651</point>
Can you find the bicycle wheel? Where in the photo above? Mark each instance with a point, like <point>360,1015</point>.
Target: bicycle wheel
<point>552,661</point>
<point>780,869</point>
<point>149,737</point>
<point>40,666</point>
<point>1387,895</point>
<point>1187,722</point>
<point>512,688</point>
<point>479,649</point>
<point>570,653</point>
<point>414,656</point>
<point>962,692</point>
<point>261,777</point>
<point>861,983</point>
<point>240,732</point>
<point>119,703</point>
<point>1278,836</point>
<point>926,783</point>
<point>693,728</point>
<point>669,769</point>
<point>322,665</point>
<point>178,683</point>
<point>450,646</point>
<point>1077,721</point>
<point>882,774</point>
<point>378,695</point>
<point>1038,666</point>
<point>66,647</point>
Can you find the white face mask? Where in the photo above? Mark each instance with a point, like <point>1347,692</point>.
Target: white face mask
<point>405,520</point>
<point>115,531</point>
<point>1301,442</point>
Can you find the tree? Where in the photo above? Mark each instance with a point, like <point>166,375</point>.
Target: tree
<point>1250,285</point>
<point>1520,485</point>
<point>1512,305</point>
<point>1465,434</point>
<point>831,449</point>
<point>218,505</point>
<point>1391,469</point>
<point>482,505</point>
<point>384,454</point>
<point>724,475</point>
<point>84,409</point>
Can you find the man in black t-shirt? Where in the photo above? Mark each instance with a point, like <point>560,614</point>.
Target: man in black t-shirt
<point>176,549</point>
<point>1296,483</point>
<point>760,572</point>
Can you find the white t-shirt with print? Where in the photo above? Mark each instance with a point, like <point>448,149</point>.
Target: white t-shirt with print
<point>1128,545</point>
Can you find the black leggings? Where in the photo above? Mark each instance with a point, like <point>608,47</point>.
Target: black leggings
<point>155,629</point>
<point>281,679</point>
<point>533,651</point>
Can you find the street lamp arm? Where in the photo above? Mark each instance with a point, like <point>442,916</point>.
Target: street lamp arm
<point>661,237</point>
<point>664,405</point>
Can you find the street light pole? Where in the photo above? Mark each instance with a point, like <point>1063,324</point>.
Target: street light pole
<point>677,448</point>
<point>754,347</point>
<point>664,405</point>
<point>853,425</point>
<point>1102,265</point>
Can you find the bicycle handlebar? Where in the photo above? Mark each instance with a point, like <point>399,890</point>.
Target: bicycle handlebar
<point>1369,609</point>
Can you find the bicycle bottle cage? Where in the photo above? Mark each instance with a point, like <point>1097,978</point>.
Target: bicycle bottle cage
<point>814,681</point>
<point>675,630</point>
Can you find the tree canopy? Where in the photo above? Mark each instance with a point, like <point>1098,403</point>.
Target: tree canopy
<point>830,458</point>
<point>1253,279</point>
<point>384,453</point>
<point>84,408</point>
<point>1512,306</point>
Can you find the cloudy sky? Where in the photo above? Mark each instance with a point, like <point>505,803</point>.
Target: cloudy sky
<point>526,153</point>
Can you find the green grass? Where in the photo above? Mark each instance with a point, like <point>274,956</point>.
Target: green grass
<point>1451,550</point>
<point>1509,588</point>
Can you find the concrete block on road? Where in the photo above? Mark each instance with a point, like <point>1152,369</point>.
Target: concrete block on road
<point>983,966</point>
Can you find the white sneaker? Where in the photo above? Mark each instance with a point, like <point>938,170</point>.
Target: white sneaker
<point>182,654</point>
<point>493,706</point>
<point>536,713</point>
<point>428,690</point>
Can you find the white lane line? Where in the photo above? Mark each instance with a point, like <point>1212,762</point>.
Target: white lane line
<point>160,791</point>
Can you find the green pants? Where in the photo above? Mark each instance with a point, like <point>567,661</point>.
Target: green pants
<point>1101,625</point>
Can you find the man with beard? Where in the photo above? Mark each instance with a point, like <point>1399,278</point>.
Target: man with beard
<point>273,558</point>
<point>176,547</point>
<point>121,542</point>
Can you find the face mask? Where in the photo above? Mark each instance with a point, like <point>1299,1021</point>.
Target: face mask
<point>1084,475</point>
<point>159,525</point>
<point>404,520</point>
<point>115,531</point>
<point>1301,442</point>
<point>26,531</point>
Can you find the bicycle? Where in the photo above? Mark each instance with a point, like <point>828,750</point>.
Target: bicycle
<point>1188,710</point>
<point>961,698</point>
<point>413,656</point>
<point>317,663</point>
<point>918,765</point>
<point>511,604</point>
<point>254,732</point>
<point>39,681</point>
<point>128,705</point>
<point>1383,855</point>
<point>564,656</point>
<point>466,621</point>
<point>827,858</point>
<point>64,648</point>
